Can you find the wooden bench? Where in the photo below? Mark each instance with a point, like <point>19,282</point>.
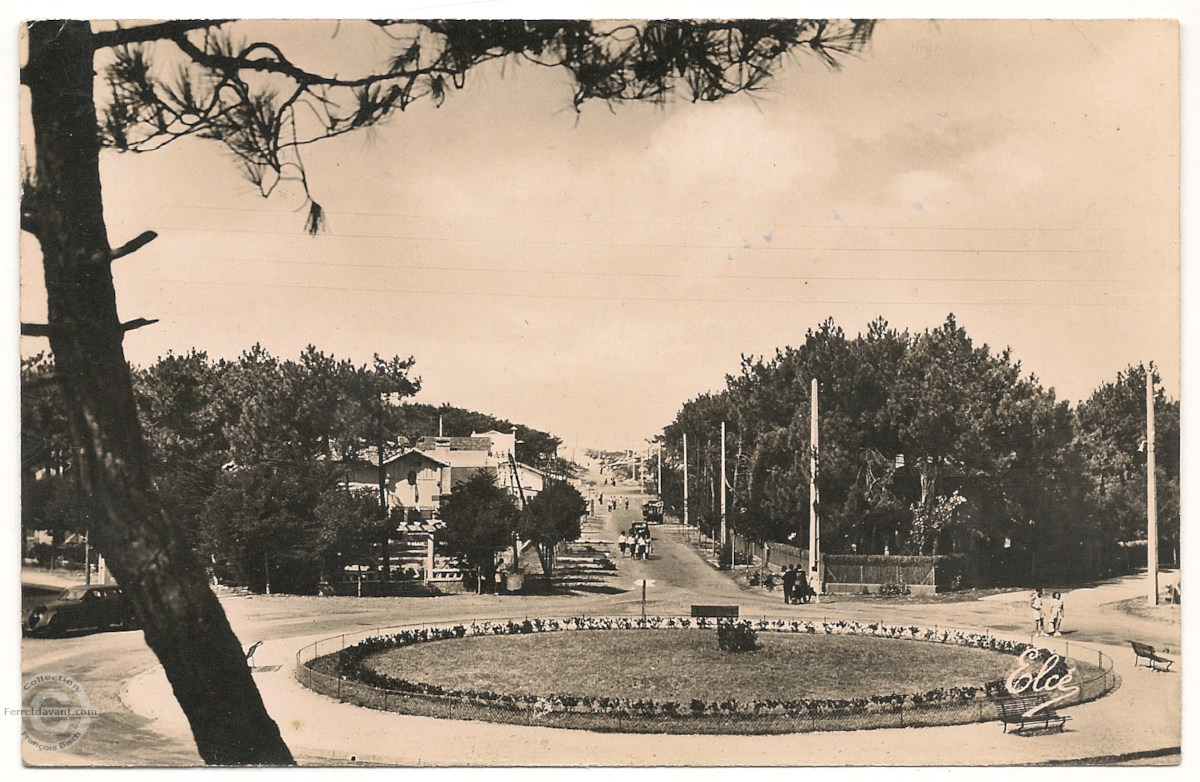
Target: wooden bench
<point>715,612</point>
<point>1152,656</point>
<point>1012,708</point>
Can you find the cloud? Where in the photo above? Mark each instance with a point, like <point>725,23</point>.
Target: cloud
<point>736,151</point>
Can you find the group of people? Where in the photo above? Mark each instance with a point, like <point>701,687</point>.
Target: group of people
<point>796,588</point>
<point>614,502</point>
<point>1047,613</point>
<point>636,544</point>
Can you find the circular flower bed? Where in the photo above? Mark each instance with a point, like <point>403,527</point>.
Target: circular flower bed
<point>358,681</point>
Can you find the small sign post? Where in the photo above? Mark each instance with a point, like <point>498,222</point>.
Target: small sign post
<point>644,582</point>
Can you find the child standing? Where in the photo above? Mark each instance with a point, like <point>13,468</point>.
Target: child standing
<point>1039,620</point>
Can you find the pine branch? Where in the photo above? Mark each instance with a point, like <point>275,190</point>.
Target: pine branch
<point>132,246</point>
<point>138,323</point>
<point>152,32</point>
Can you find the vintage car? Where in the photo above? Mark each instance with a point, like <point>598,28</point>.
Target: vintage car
<point>81,608</point>
<point>639,529</point>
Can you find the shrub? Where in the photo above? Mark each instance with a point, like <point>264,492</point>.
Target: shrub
<point>43,553</point>
<point>741,558</point>
<point>737,637</point>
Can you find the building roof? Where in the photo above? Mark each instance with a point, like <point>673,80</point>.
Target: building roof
<point>367,454</point>
<point>455,443</point>
<point>531,468</point>
<point>460,474</point>
<point>416,453</point>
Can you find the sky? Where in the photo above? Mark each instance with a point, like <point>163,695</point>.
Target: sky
<point>587,273</point>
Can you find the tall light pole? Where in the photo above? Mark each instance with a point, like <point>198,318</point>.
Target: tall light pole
<point>660,472</point>
<point>814,524</point>
<point>723,531</point>
<point>685,481</point>
<point>1151,493</point>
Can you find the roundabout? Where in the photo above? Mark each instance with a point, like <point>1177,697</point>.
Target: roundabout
<point>667,674</point>
<point>139,713</point>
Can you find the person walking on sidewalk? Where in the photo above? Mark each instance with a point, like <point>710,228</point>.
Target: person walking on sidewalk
<point>1056,610</point>
<point>623,542</point>
<point>1039,618</point>
<point>801,588</point>
<point>789,583</point>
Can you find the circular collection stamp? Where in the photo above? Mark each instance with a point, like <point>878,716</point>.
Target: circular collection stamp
<point>55,711</point>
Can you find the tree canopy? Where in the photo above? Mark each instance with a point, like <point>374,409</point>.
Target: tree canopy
<point>552,517</point>
<point>162,81</point>
<point>929,443</point>
<point>481,519</point>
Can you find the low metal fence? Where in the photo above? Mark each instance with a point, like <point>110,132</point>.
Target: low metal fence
<point>668,717</point>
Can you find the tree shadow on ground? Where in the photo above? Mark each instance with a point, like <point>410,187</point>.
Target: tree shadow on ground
<point>567,584</point>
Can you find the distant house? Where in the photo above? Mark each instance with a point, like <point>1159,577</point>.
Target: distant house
<point>362,470</point>
<point>419,479</point>
<point>521,480</point>
<point>504,444</point>
<point>493,452</point>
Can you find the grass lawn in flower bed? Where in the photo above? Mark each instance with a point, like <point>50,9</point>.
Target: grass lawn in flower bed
<point>680,665</point>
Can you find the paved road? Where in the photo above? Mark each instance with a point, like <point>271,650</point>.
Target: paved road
<point>677,574</point>
<point>141,725</point>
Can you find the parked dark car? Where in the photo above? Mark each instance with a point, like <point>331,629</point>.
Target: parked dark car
<point>81,608</point>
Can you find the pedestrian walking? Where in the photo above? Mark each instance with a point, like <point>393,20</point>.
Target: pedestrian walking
<point>789,583</point>
<point>1039,619</point>
<point>801,588</point>
<point>1057,610</point>
<point>623,542</point>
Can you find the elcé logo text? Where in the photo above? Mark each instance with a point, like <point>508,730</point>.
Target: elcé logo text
<point>1046,680</point>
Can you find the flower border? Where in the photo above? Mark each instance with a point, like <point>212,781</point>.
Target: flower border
<point>350,664</point>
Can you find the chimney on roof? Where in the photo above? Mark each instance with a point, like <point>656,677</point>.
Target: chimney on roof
<point>441,449</point>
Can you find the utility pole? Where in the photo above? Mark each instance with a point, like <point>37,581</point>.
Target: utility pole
<point>724,532</point>
<point>814,524</point>
<point>1151,493</point>
<point>685,481</point>
<point>660,472</point>
<point>516,546</point>
<point>383,494</point>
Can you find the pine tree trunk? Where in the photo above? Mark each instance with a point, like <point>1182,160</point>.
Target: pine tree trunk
<point>184,623</point>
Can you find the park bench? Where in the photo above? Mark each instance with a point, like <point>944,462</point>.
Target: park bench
<point>715,612</point>
<point>1012,709</point>
<point>1152,656</point>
